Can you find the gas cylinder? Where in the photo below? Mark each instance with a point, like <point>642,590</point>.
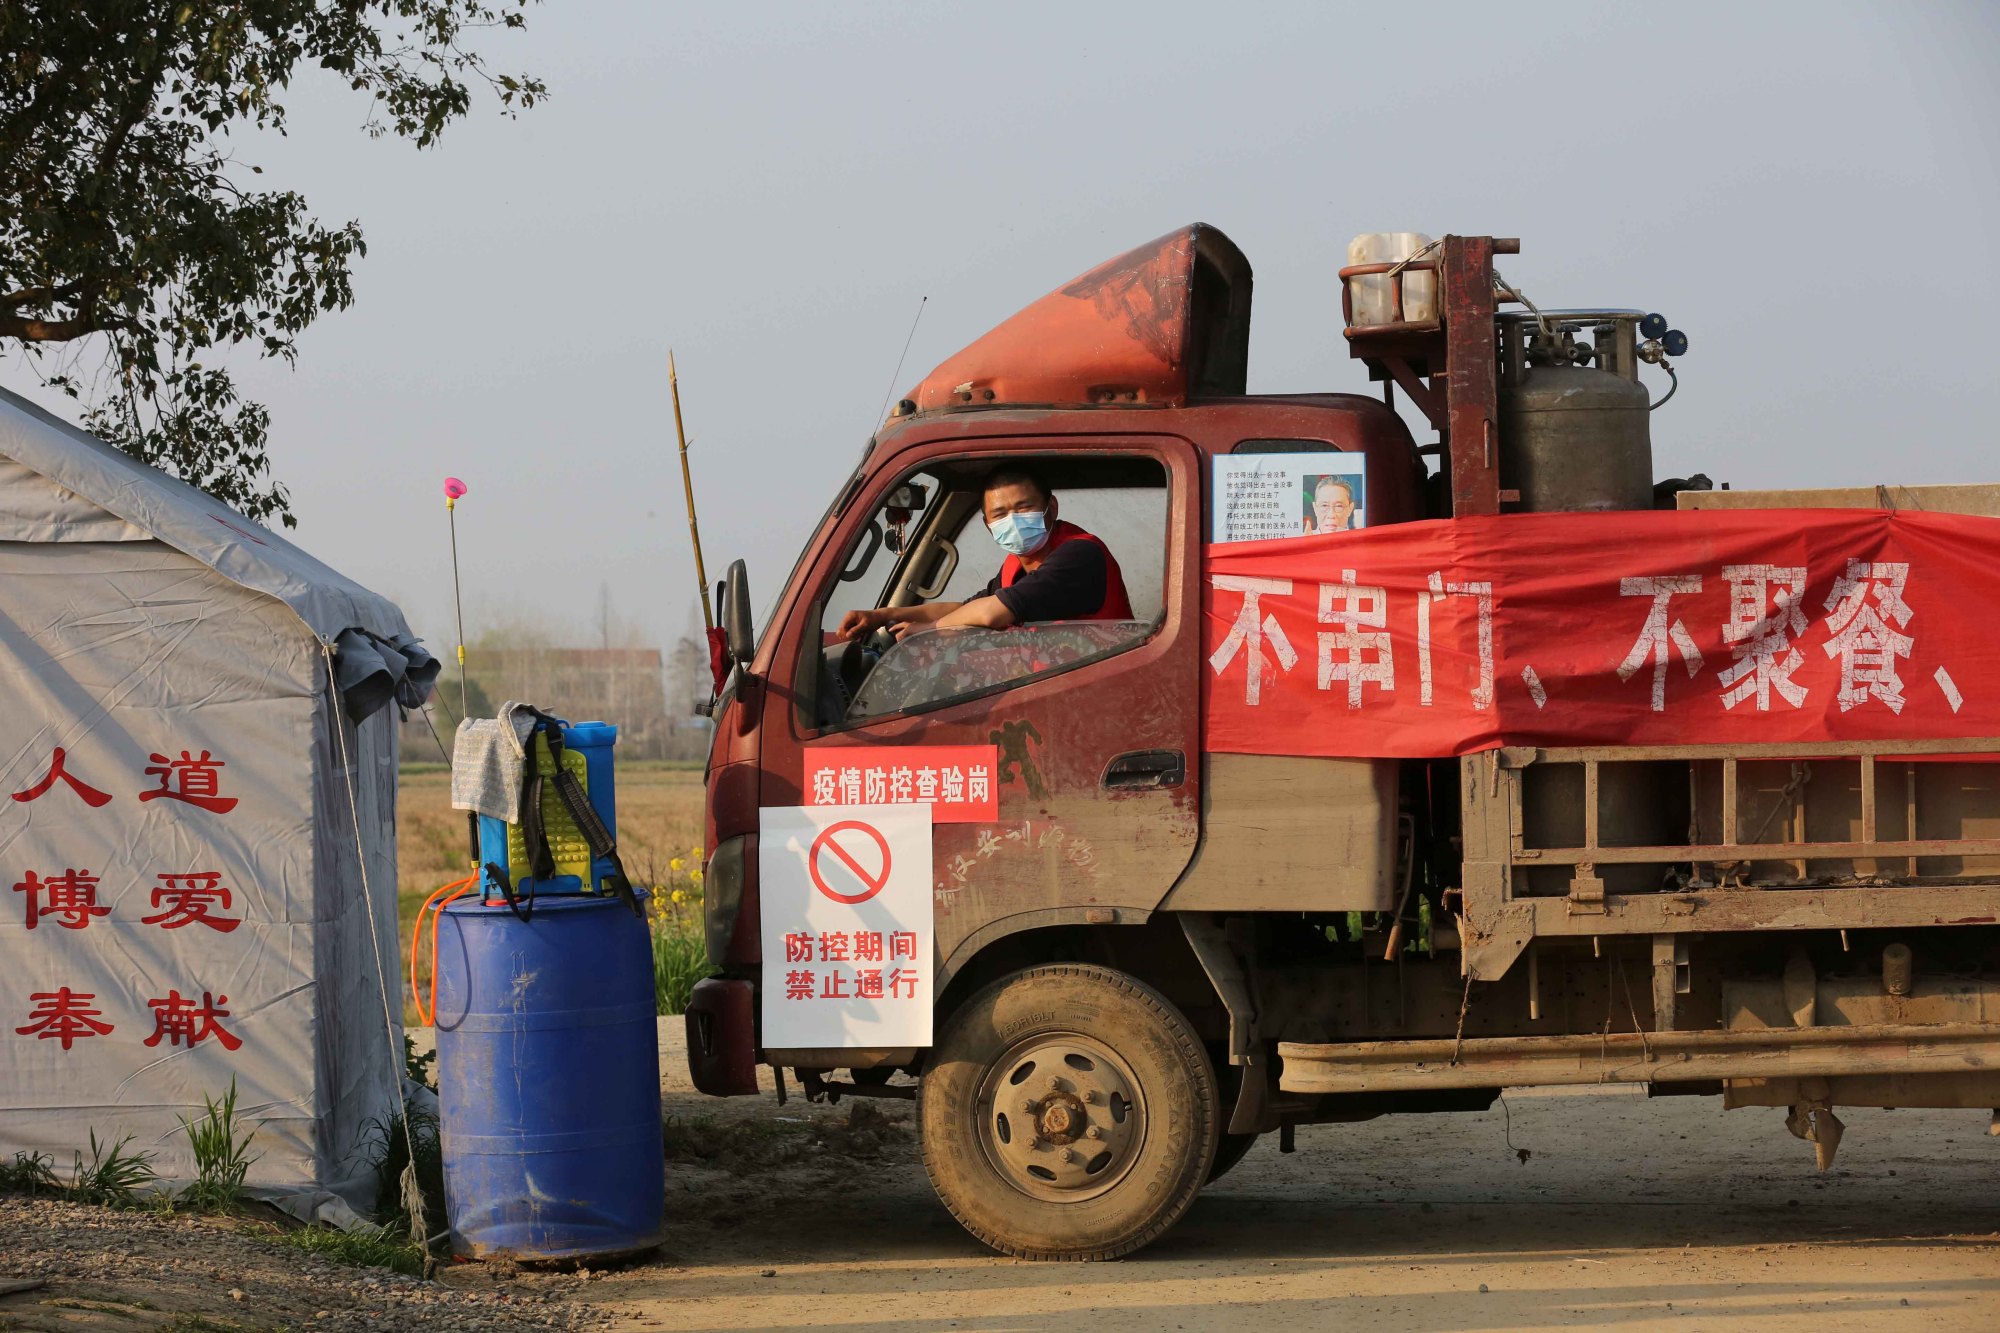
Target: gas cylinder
<point>1576,437</point>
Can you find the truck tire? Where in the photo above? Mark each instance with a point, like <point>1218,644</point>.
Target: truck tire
<point>1068,1112</point>
<point>1229,1150</point>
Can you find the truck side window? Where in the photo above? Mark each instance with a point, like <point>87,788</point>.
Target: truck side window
<point>950,557</point>
<point>864,578</point>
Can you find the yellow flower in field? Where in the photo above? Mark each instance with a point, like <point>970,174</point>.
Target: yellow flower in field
<point>679,896</point>
<point>675,865</point>
<point>696,853</point>
<point>695,875</point>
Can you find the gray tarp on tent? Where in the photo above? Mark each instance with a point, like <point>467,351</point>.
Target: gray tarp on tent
<point>180,889</point>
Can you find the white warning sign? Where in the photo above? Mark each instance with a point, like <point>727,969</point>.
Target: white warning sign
<point>845,902</point>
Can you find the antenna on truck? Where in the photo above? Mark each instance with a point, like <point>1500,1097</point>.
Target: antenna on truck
<point>897,373</point>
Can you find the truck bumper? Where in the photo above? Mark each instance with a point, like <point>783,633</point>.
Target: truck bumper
<point>722,1037</point>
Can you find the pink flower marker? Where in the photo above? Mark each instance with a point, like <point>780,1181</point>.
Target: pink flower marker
<point>453,488</point>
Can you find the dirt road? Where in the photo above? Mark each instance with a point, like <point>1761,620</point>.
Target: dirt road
<point>1624,1211</point>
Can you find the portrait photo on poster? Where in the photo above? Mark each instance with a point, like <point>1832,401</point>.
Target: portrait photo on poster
<point>1268,496</point>
<point>1332,501</point>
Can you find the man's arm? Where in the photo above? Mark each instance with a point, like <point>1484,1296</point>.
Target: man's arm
<point>979,613</point>
<point>860,624</point>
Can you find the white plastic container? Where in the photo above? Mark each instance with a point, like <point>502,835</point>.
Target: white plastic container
<point>1373,296</point>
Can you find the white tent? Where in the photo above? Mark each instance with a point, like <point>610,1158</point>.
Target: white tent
<point>194,726</point>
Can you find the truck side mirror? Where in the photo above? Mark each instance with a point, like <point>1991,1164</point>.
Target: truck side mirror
<point>736,629</point>
<point>903,503</point>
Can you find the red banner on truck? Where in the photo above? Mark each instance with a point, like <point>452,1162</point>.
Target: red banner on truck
<point>1657,627</point>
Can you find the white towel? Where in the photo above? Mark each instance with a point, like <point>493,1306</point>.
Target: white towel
<point>489,758</point>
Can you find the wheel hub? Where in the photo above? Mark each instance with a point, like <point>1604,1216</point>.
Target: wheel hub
<point>1061,1117</point>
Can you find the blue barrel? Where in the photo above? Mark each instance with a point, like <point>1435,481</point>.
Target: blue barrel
<point>549,1079</point>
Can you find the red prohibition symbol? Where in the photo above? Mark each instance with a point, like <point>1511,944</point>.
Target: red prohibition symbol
<point>826,842</point>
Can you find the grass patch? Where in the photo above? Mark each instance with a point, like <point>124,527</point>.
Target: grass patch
<point>391,1153</point>
<point>680,959</point>
<point>112,1177</point>
<point>30,1173</point>
<point>221,1156</point>
<point>364,1247</point>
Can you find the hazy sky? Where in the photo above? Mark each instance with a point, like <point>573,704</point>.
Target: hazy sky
<point>1809,190</point>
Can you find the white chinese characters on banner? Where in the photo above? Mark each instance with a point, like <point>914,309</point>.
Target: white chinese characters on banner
<point>1247,633</point>
<point>1766,616</point>
<point>1867,610</point>
<point>1864,629</point>
<point>1358,650</point>
<point>957,782</point>
<point>846,911</point>
<point>1662,632</point>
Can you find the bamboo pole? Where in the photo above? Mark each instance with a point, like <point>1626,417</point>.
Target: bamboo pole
<point>687,484</point>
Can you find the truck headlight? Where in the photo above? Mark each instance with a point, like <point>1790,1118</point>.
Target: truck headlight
<point>723,886</point>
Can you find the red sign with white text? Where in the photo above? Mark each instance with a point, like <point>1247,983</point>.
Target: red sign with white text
<point>960,783</point>
<point>1658,627</point>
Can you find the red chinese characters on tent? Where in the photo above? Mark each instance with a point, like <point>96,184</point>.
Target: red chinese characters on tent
<point>58,771</point>
<point>64,1015</point>
<point>76,898</point>
<point>1441,638</point>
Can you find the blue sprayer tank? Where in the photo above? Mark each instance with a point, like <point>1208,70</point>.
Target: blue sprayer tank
<point>587,750</point>
<point>548,1064</point>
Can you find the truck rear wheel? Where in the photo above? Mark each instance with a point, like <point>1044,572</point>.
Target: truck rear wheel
<point>1068,1112</point>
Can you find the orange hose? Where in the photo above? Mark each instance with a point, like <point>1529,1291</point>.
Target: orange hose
<point>463,887</point>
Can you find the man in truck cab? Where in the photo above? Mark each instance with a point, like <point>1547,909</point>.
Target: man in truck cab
<point>1053,570</point>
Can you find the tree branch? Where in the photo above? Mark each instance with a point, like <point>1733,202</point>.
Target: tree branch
<point>40,295</point>
<point>47,330</point>
<point>143,94</point>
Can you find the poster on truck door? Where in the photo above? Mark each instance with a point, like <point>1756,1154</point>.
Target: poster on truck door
<point>1262,497</point>
<point>845,901</point>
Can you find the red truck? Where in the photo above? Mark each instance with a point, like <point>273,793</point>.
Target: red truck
<point>1219,945</point>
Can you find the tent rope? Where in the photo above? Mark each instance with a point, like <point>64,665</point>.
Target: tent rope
<point>413,1191</point>
<point>435,738</point>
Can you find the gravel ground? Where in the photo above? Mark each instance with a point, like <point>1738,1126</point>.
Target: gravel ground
<point>126,1269</point>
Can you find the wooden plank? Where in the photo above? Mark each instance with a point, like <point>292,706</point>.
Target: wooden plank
<point>1766,909</point>
<point>1590,804</point>
<point>1653,1057</point>
<point>1910,827</point>
<point>1729,800</point>
<point>1981,498</point>
<point>1520,756</point>
<point>1757,851</point>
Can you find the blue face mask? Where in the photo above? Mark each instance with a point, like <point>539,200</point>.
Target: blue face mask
<point>1021,534</point>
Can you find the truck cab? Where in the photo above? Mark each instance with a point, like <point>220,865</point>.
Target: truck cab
<point>1144,937</point>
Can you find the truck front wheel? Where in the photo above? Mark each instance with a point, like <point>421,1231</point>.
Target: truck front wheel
<point>1068,1112</point>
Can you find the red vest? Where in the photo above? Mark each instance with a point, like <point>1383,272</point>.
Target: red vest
<point>1116,605</point>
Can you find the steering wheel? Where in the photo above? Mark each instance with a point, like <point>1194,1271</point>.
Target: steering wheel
<point>856,660</point>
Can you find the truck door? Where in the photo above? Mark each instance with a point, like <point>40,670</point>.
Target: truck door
<point>1093,726</point>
